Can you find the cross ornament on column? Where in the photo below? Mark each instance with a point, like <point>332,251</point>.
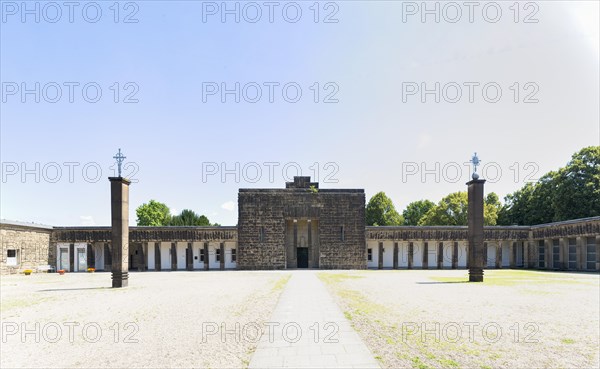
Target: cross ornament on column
<point>475,161</point>
<point>119,158</point>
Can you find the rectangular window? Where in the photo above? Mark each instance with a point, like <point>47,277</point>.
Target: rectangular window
<point>233,256</point>
<point>218,255</point>
<point>369,254</point>
<point>591,253</point>
<point>556,253</point>
<point>541,254</point>
<point>11,257</point>
<point>201,253</point>
<point>572,253</point>
<point>342,233</point>
<point>261,234</point>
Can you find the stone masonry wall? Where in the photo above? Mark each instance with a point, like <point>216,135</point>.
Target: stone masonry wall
<point>32,245</point>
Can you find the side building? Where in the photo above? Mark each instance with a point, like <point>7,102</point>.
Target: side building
<point>301,226</point>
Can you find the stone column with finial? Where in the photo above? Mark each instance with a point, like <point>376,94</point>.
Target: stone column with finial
<point>475,224</point>
<point>119,205</point>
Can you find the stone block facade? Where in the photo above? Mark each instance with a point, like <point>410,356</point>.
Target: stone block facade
<point>24,246</point>
<point>302,226</point>
<point>277,227</point>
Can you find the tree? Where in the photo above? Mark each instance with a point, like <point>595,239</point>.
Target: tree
<point>577,189</point>
<point>571,192</point>
<point>381,211</point>
<point>415,211</point>
<point>188,217</point>
<point>153,213</point>
<point>452,210</point>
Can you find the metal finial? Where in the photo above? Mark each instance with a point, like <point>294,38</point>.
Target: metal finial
<point>119,158</point>
<point>475,160</point>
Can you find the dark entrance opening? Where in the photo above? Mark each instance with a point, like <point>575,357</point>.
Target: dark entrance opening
<point>302,257</point>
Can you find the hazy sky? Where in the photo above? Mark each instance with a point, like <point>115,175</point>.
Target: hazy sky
<point>519,84</point>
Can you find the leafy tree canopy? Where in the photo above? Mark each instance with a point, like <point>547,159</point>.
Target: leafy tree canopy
<point>153,213</point>
<point>415,211</point>
<point>381,211</point>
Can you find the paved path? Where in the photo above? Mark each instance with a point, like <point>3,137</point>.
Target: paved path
<point>326,339</point>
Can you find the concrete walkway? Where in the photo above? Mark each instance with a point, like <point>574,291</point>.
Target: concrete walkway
<point>310,331</point>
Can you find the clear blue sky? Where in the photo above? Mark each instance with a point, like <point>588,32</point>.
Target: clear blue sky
<point>371,134</point>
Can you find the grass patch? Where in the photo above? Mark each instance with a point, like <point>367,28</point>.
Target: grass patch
<point>334,278</point>
<point>281,283</point>
<point>568,341</point>
<point>418,364</point>
<point>517,277</point>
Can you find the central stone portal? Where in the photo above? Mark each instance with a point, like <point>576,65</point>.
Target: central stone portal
<point>302,243</point>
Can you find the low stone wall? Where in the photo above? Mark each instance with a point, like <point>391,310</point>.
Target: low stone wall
<point>30,245</point>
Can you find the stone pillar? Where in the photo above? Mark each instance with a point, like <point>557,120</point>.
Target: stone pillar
<point>395,255</point>
<point>581,253</point>
<point>119,195</point>
<point>91,260</point>
<point>222,258</point>
<point>380,256</point>
<point>498,254</point>
<point>173,255</point>
<point>512,256</point>
<point>564,253</point>
<point>189,257</point>
<point>440,255</point>
<point>206,257</point>
<point>425,255</point>
<point>475,229</point>
<point>107,257</point>
<point>71,257</point>
<point>157,261</point>
<point>411,253</point>
<point>455,256</point>
<point>598,252</point>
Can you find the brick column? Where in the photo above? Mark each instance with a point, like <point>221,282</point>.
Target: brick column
<point>425,255</point>
<point>222,261</point>
<point>157,261</point>
<point>411,254</point>
<point>499,255</point>
<point>107,257</point>
<point>119,204</point>
<point>380,256</point>
<point>71,257</point>
<point>512,257</point>
<point>598,252</point>
<point>173,255</point>
<point>189,257</point>
<point>206,257</point>
<point>475,229</point>
<point>91,260</point>
<point>455,255</point>
<point>395,266</point>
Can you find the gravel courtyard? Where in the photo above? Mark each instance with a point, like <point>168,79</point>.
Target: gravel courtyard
<point>156,322</point>
<point>407,319</point>
<point>432,319</point>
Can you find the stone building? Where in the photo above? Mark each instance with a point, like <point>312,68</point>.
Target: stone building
<point>302,226</point>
